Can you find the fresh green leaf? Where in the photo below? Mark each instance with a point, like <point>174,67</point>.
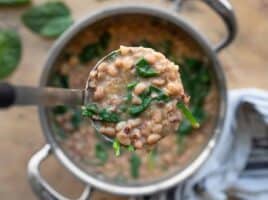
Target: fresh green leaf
<point>162,96</point>
<point>13,2</point>
<point>143,69</point>
<point>101,152</point>
<point>130,87</point>
<point>10,52</point>
<point>135,110</point>
<point>130,148</point>
<point>89,110</point>
<point>59,110</point>
<point>135,163</point>
<point>188,115</point>
<point>56,27</point>
<point>108,116</point>
<point>184,128</point>
<point>49,19</point>
<point>116,147</point>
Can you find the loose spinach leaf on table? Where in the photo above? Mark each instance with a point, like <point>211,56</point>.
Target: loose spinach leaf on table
<point>13,2</point>
<point>49,19</point>
<point>143,69</point>
<point>96,49</point>
<point>135,163</point>
<point>10,52</point>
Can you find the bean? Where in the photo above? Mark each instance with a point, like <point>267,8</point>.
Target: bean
<point>99,93</point>
<point>159,82</point>
<point>151,58</point>
<point>123,138</point>
<point>112,71</point>
<point>135,133</point>
<point>138,144</point>
<point>136,100</point>
<point>140,87</point>
<point>120,125</point>
<point>157,116</point>
<point>134,122</point>
<point>174,88</point>
<point>107,131</point>
<point>157,128</point>
<point>153,138</point>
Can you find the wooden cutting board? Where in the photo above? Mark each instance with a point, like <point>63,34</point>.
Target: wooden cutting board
<point>245,65</point>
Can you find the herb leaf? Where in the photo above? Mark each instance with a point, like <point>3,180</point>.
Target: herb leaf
<point>135,163</point>
<point>108,116</point>
<point>49,19</point>
<point>13,2</point>
<point>188,115</point>
<point>89,110</point>
<point>143,69</point>
<point>95,50</point>
<point>130,148</point>
<point>101,152</point>
<point>10,52</point>
<point>116,147</point>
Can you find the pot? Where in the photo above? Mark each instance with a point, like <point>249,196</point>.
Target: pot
<point>45,191</point>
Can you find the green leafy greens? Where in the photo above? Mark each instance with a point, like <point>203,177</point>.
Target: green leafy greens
<point>146,97</point>
<point>103,114</point>
<point>116,147</point>
<point>143,69</point>
<point>135,163</point>
<point>10,52</point>
<point>96,50</point>
<point>187,114</point>
<point>101,152</point>
<point>49,19</point>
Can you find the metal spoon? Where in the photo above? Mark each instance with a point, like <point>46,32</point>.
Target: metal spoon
<point>11,95</point>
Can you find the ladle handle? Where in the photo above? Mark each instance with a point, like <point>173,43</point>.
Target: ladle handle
<point>49,96</point>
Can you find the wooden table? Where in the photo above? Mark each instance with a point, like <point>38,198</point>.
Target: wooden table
<point>245,64</point>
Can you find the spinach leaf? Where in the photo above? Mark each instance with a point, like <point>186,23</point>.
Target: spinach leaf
<point>59,110</point>
<point>188,115</point>
<point>143,69</point>
<point>130,87</point>
<point>108,116</point>
<point>116,147</point>
<point>101,152</point>
<point>162,96</point>
<point>89,110</point>
<point>96,49</point>
<point>13,2</point>
<point>60,80</point>
<point>56,27</point>
<point>48,19</point>
<point>135,110</point>
<point>76,119</point>
<point>89,52</point>
<point>135,163</point>
<point>10,52</point>
<point>130,148</point>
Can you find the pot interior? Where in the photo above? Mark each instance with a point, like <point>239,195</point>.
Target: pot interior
<point>175,153</point>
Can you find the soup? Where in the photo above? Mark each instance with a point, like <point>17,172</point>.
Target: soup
<point>171,154</point>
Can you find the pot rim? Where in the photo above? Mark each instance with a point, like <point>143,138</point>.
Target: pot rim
<point>197,162</point>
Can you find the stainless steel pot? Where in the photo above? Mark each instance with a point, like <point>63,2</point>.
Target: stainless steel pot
<point>44,190</point>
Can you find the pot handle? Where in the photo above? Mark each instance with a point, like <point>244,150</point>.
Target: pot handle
<point>41,188</point>
<point>226,12</point>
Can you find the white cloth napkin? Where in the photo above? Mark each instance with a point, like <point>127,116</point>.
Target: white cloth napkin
<point>225,173</point>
